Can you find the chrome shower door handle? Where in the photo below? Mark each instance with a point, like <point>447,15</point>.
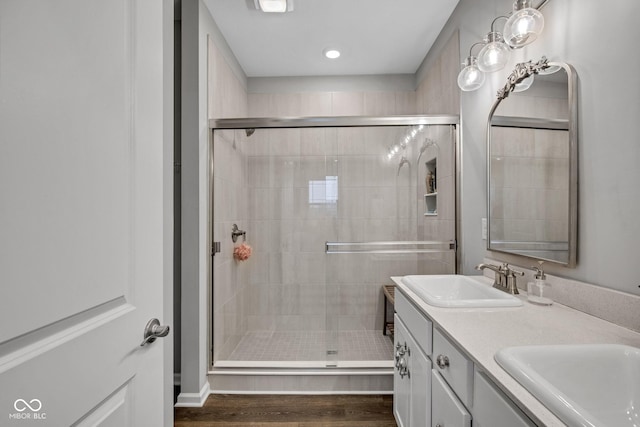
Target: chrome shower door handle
<point>154,330</point>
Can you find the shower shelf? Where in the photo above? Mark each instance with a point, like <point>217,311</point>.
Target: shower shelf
<point>431,204</point>
<point>431,197</point>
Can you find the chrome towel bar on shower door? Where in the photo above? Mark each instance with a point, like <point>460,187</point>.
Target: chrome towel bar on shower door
<point>390,247</point>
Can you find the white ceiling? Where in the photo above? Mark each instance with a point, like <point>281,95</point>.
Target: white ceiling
<point>374,36</point>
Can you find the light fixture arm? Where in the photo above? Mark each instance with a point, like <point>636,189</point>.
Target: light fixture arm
<point>494,21</point>
<point>469,60</point>
<point>542,4</point>
<point>474,45</point>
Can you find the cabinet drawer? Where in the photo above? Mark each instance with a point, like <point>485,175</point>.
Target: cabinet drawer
<point>446,408</point>
<point>415,321</point>
<point>491,408</point>
<point>454,367</point>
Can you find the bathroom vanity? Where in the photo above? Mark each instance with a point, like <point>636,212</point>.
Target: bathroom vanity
<point>445,372</point>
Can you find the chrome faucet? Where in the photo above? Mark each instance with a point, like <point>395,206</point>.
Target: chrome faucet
<point>505,277</point>
<point>499,273</point>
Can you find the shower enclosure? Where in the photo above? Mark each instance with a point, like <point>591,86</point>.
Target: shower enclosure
<point>332,208</point>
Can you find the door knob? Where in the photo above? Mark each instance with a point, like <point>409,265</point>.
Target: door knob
<point>154,330</point>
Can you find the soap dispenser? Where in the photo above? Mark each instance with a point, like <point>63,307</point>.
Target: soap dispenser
<point>540,291</point>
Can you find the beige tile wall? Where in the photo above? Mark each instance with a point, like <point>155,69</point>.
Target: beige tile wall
<point>230,205</point>
<point>302,104</point>
<point>292,282</point>
<point>437,93</point>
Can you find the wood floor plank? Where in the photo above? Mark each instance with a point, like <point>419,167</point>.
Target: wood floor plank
<point>290,411</point>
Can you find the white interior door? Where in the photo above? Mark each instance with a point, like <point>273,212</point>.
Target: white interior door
<point>83,212</point>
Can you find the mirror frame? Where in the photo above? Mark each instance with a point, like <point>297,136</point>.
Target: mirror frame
<point>522,71</point>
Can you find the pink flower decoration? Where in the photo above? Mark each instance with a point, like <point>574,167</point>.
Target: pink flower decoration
<point>242,252</point>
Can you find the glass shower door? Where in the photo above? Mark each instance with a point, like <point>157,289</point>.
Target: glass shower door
<point>297,301</point>
<point>395,216</point>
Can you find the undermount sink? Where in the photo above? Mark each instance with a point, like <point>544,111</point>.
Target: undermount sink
<point>452,290</point>
<point>593,385</point>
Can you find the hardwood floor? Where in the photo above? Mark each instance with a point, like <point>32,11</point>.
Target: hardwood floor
<point>289,411</point>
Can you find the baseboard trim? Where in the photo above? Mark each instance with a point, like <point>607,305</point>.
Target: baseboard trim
<point>299,372</point>
<point>194,400</point>
<point>310,393</point>
<point>260,381</point>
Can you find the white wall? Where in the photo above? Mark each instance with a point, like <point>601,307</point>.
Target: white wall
<point>599,39</point>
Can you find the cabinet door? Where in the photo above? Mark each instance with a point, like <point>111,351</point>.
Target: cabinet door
<point>447,411</point>
<point>401,384</point>
<point>420,376</point>
<point>491,408</point>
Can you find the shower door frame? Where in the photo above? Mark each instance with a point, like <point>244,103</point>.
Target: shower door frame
<point>246,123</point>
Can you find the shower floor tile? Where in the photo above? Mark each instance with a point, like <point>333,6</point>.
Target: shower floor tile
<point>313,346</point>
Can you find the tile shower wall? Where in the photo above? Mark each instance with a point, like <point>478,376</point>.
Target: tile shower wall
<point>442,226</point>
<point>227,99</point>
<point>375,202</point>
<point>290,225</point>
<point>229,207</point>
<point>437,93</point>
<point>304,104</point>
<point>287,282</point>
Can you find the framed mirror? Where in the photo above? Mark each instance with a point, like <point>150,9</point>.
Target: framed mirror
<point>532,164</point>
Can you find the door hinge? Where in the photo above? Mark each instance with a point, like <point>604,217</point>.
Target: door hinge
<point>177,167</point>
<point>215,248</point>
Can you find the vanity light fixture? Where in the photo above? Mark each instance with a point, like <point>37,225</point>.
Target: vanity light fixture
<point>495,53</point>
<point>524,25</point>
<point>470,77</point>
<point>274,6</point>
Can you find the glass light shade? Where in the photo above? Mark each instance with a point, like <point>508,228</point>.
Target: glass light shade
<point>494,55</point>
<point>524,84</point>
<point>470,78</point>
<point>523,26</point>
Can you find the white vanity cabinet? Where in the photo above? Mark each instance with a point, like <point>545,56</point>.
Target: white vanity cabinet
<point>491,408</point>
<point>412,373</point>
<point>436,384</point>
<point>401,381</point>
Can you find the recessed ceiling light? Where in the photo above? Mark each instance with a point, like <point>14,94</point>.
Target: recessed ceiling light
<point>278,6</point>
<point>331,53</point>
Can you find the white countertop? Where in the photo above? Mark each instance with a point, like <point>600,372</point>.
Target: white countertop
<point>481,332</point>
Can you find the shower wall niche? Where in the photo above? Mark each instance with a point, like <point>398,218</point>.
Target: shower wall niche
<point>332,208</point>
